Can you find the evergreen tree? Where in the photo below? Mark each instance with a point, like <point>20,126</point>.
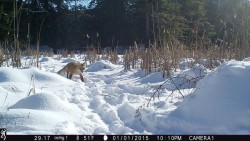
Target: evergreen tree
<point>199,29</point>
<point>168,21</point>
<point>110,21</point>
<point>231,20</point>
<point>121,22</point>
<point>6,16</point>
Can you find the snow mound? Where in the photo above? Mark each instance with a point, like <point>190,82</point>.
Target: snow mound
<point>189,77</point>
<point>25,75</point>
<point>220,104</point>
<point>10,74</point>
<point>99,65</point>
<point>47,59</point>
<point>246,59</point>
<point>41,101</point>
<point>68,60</point>
<point>196,71</point>
<point>186,63</point>
<point>153,78</point>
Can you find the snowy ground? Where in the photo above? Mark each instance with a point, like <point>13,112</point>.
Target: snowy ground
<point>114,101</point>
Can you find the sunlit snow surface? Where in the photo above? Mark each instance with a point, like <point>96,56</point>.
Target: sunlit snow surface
<point>114,101</point>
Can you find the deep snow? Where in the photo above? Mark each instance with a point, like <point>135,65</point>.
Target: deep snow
<point>114,101</point>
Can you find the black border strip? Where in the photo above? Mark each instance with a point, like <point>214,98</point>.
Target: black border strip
<point>127,138</point>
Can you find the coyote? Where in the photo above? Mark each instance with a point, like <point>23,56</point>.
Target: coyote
<point>73,68</point>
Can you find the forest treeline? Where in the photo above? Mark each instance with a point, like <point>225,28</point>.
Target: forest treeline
<point>110,23</point>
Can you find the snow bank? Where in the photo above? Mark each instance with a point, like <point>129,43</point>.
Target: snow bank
<point>188,78</point>
<point>186,63</point>
<point>99,65</point>
<point>15,84</point>
<point>25,75</point>
<point>114,101</point>
<point>47,59</point>
<point>220,104</point>
<point>153,78</point>
<point>41,101</point>
<point>68,60</point>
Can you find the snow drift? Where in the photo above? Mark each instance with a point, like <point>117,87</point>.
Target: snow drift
<point>219,105</point>
<point>41,101</point>
<point>112,101</point>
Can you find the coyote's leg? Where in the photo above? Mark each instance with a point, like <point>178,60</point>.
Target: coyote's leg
<point>81,77</point>
<point>70,75</point>
<point>67,74</point>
